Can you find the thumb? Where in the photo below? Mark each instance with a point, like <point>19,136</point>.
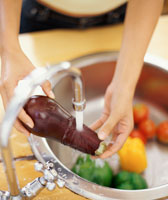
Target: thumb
<point>107,128</point>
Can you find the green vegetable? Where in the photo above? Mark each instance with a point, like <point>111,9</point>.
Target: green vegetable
<point>138,182</point>
<point>129,181</point>
<point>96,171</point>
<point>121,177</point>
<point>125,186</point>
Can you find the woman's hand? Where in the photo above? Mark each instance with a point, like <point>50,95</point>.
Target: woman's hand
<point>15,66</point>
<point>117,116</point>
<point>116,119</point>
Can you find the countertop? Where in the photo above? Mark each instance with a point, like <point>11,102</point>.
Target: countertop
<point>49,47</point>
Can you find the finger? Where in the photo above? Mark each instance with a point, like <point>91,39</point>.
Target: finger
<point>17,124</point>
<point>107,128</point>
<point>97,124</point>
<point>20,128</point>
<point>95,157</point>
<point>46,86</point>
<point>114,137</point>
<point>114,148</point>
<point>26,119</point>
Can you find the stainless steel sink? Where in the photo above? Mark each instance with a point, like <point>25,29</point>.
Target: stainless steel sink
<point>152,89</point>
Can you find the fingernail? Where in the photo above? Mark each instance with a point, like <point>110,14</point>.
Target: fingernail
<point>102,135</point>
<point>31,125</point>
<point>52,95</point>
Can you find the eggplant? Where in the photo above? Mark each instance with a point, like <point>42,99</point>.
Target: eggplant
<point>52,121</point>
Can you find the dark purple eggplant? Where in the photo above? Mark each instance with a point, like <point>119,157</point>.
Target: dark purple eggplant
<point>52,121</point>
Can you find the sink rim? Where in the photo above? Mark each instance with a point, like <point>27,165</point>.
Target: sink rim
<point>44,153</point>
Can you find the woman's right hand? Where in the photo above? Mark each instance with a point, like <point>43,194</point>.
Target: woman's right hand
<point>14,67</point>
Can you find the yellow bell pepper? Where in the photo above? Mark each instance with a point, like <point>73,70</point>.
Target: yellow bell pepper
<point>133,155</point>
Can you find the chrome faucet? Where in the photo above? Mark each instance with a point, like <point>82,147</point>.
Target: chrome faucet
<point>21,95</point>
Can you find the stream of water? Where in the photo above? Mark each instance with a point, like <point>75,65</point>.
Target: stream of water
<point>79,120</point>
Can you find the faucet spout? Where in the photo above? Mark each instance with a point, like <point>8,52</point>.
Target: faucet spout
<point>21,95</point>
<point>78,101</point>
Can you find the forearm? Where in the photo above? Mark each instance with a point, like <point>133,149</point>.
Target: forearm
<point>141,19</point>
<point>9,24</point>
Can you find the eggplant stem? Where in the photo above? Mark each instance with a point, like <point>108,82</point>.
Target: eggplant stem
<point>101,149</point>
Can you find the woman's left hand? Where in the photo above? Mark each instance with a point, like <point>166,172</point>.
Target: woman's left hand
<point>116,119</point>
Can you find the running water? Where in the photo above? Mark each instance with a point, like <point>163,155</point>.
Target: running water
<point>79,120</point>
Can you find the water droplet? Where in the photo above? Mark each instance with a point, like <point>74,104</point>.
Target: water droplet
<point>44,155</point>
<point>64,176</point>
<point>59,169</point>
<point>75,181</point>
<point>52,160</point>
<point>36,143</point>
<point>94,187</point>
<point>61,174</point>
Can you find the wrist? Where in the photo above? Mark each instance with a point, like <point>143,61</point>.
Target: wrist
<point>126,76</point>
<point>122,89</point>
<point>10,49</point>
<point>8,54</point>
<point>9,45</point>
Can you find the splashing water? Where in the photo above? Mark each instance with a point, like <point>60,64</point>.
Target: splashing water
<point>79,120</point>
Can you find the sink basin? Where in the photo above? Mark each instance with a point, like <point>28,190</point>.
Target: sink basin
<point>97,71</point>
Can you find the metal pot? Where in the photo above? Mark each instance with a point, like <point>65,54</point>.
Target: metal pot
<point>97,71</point>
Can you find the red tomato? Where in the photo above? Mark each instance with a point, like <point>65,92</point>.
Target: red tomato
<point>148,128</point>
<point>138,134</point>
<point>141,112</point>
<point>162,132</point>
